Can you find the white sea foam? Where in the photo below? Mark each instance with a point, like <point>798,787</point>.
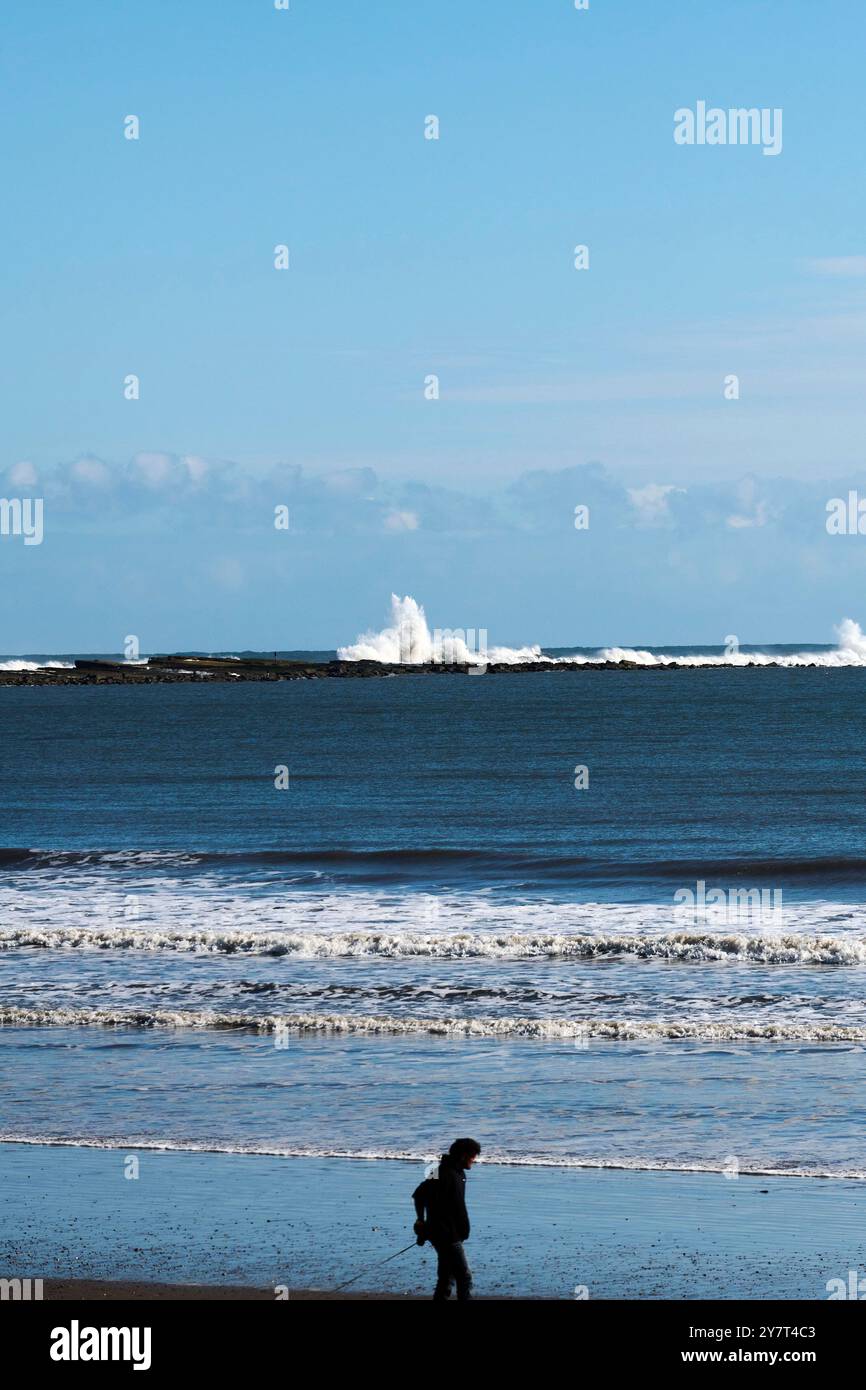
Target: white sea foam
<point>555,1029</point>
<point>491,1157</point>
<point>850,651</point>
<point>409,641</point>
<point>19,665</point>
<point>696,947</point>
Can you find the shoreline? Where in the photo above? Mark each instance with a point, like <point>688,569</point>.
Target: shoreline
<point>225,1227</point>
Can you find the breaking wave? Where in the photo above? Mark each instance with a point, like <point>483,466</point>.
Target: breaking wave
<point>554,1029</point>
<point>491,1157</point>
<point>22,665</point>
<point>409,641</point>
<point>778,949</point>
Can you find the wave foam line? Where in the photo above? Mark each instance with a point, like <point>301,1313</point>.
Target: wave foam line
<point>697,947</point>
<point>491,1158</point>
<point>409,641</point>
<point>612,1030</point>
<point>16,665</point>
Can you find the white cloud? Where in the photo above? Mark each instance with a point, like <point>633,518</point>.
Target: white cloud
<point>92,471</point>
<point>758,518</point>
<point>153,469</point>
<point>651,502</point>
<point>197,468</point>
<point>401,521</point>
<point>22,474</point>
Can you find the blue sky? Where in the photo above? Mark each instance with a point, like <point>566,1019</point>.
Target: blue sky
<point>411,257</point>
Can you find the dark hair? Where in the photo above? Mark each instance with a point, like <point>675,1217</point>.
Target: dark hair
<point>465,1148</point>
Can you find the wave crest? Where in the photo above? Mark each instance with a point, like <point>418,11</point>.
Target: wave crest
<point>697,947</point>
<point>554,1029</point>
<point>492,1157</point>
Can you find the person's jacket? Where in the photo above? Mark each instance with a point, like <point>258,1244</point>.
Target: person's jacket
<point>440,1202</point>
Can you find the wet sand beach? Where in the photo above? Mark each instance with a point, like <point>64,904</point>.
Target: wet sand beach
<point>246,1226</point>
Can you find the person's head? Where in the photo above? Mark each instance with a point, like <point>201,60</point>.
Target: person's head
<point>464,1152</point>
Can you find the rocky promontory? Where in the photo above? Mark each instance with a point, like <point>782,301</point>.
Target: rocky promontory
<point>194,669</point>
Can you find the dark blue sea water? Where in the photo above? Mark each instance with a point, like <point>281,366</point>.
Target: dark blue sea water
<point>431,929</point>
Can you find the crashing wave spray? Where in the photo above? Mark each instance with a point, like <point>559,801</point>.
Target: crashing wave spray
<point>19,664</point>
<point>409,641</point>
<point>851,651</point>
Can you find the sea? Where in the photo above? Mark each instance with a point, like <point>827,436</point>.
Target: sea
<point>592,918</point>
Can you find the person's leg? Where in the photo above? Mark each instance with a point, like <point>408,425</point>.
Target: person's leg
<point>462,1272</point>
<point>444,1273</point>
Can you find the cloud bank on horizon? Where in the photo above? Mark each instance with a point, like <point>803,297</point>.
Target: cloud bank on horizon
<point>184,492</point>
<point>184,551</point>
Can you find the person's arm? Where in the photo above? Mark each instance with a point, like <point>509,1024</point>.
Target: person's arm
<point>463,1214</point>
<point>464,1217</point>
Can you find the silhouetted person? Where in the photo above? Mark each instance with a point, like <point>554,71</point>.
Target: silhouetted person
<point>440,1208</point>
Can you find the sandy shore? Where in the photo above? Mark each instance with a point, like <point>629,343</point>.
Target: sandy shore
<point>108,1290</point>
<point>199,1226</point>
